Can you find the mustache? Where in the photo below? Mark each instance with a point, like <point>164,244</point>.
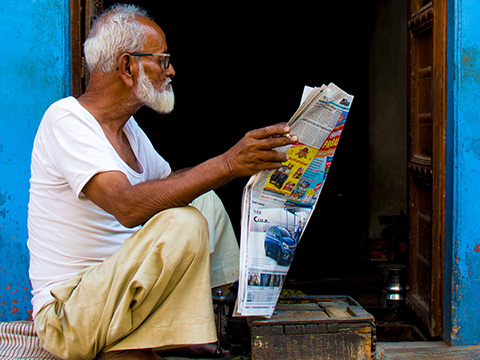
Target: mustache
<point>166,83</point>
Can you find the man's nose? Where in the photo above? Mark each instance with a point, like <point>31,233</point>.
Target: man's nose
<point>170,72</point>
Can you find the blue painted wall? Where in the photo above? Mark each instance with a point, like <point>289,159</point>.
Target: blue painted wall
<point>35,54</point>
<point>462,295</point>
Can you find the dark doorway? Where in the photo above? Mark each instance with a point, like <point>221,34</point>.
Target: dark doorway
<point>240,68</point>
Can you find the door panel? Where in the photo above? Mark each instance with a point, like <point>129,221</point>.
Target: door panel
<point>426,160</point>
<point>82,15</point>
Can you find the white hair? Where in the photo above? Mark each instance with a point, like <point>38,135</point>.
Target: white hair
<point>116,31</point>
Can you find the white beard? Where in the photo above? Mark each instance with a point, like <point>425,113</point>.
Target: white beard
<point>161,101</point>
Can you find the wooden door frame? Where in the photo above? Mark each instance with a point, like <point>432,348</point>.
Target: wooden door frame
<point>440,159</point>
<point>76,47</point>
<point>434,17</point>
<point>82,15</point>
<point>83,12</point>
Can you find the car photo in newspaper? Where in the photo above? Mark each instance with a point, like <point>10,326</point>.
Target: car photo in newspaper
<point>274,234</point>
<point>277,205</point>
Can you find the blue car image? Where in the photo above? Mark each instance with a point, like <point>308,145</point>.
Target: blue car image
<point>280,245</point>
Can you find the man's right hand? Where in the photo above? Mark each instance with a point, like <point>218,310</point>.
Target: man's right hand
<point>256,151</point>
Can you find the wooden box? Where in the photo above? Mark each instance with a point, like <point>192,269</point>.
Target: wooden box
<point>315,327</point>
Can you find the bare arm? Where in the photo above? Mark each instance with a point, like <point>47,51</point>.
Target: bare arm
<point>134,205</point>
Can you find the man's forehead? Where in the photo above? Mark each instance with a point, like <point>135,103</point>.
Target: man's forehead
<point>155,35</point>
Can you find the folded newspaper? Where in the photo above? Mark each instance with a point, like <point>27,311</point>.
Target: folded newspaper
<point>277,204</point>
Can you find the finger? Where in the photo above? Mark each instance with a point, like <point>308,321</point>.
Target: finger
<point>269,131</point>
<point>277,158</point>
<point>274,142</point>
<point>270,156</point>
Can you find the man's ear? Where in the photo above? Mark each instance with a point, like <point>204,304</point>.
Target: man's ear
<point>127,69</point>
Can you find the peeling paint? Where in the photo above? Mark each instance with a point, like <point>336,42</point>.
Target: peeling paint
<point>469,68</point>
<point>477,248</point>
<point>453,333</point>
<point>3,198</point>
<point>15,303</point>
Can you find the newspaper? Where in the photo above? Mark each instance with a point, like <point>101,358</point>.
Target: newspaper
<point>277,205</point>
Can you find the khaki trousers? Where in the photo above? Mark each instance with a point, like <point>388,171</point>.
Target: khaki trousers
<point>154,292</point>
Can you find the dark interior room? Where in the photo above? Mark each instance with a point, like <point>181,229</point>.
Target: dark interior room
<point>242,68</point>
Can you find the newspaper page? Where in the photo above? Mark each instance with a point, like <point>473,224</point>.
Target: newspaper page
<point>277,205</point>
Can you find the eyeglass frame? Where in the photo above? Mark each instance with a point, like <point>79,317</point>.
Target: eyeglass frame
<point>166,59</point>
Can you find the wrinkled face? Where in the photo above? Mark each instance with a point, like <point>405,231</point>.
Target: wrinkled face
<point>153,87</point>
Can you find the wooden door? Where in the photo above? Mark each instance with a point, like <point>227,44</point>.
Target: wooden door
<point>426,160</point>
<point>82,15</point>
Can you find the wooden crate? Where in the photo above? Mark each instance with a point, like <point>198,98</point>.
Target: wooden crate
<point>315,327</point>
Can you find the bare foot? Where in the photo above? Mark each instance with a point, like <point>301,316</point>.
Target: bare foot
<point>193,351</point>
<point>141,354</point>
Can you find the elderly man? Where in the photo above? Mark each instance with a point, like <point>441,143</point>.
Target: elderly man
<point>124,252</point>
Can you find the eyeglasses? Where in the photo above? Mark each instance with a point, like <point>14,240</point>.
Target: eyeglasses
<point>166,57</point>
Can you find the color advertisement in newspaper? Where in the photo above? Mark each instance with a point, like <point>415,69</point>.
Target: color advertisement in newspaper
<point>277,205</point>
